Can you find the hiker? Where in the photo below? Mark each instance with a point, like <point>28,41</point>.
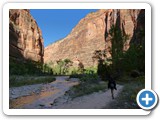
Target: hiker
<point>112,85</point>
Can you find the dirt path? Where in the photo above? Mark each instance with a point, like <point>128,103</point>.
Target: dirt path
<point>96,100</point>
<point>52,96</point>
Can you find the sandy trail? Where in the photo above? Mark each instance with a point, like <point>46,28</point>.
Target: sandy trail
<point>52,96</point>
<point>95,100</point>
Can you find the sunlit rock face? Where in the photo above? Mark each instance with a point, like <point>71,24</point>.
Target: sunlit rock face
<point>25,37</point>
<point>92,33</point>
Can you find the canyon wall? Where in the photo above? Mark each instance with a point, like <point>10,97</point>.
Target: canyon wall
<point>92,33</point>
<point>25,37</point>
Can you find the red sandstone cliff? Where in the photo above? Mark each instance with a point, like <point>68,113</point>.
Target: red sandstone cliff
<point>25,37</point>
<point>91,34</point>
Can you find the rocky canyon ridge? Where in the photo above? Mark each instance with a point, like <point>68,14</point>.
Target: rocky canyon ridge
<point>25,37</point>
<point>92,33</point>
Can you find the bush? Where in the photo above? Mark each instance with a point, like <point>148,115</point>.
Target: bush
<point>16,81</point>
<point>62,67</point>
<point>135,73</point>
<point>89,83</point>
<point>76,76</point>
<point>134,59</point>
<point>89,79</point>
<point>73,71</point>
<point>27,67</point>
<point>47,69</point>
<point>84,89</point>
<point>90,70</point>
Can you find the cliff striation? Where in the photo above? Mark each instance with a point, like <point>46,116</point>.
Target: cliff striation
<point>25,37</point>
<point>92,33</point>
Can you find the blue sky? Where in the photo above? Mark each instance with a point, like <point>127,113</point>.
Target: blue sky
<point>57,23</point>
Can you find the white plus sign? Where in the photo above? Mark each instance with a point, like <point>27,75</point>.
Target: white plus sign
<point>147,99</point>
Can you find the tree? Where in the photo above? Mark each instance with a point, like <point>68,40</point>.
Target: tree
<point>106,66</point>
<point>60,64</point>
<point>64,65</point>
<point>117,41</point>
<point>80,67</point>
<point>67,64</point>
<point>47,69</point>
<point>99,55</point>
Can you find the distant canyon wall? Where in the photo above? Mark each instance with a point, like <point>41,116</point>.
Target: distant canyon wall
<point>25,37</point>
<point>92,33</point>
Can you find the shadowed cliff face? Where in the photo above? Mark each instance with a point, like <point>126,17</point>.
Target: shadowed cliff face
<point>125,20</point>
<point>25,37</point>
<point>139,30</point>
<point>92,33</point>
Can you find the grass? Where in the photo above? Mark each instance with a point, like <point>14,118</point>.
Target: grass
<point>81,90</point>
<point>127,98</point>
<point>76,76</point>
<point>17,81</point>
<point>89,83</point>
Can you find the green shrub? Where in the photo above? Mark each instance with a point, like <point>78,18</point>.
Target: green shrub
<point>90,70</point>
<point>62,67</point>
<point>89,79</point>
<point>73,71</point>
<point>76,75</point>
<point>16,81</point>
<point>89,83</point>
<point>27,67</point>
<point>47,69</point>
<point>134,59</point>
<point>84,89</point>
